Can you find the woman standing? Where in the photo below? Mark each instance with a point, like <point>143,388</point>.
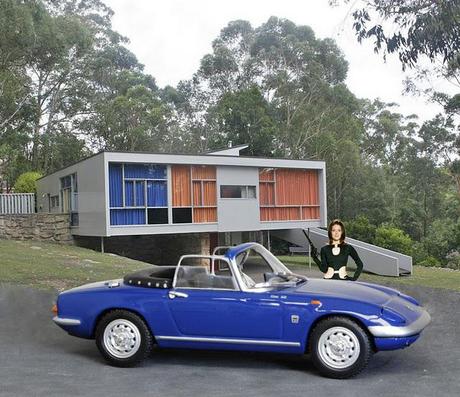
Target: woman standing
<point>334,256</point>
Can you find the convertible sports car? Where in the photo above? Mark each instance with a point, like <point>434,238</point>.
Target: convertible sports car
<point>243,299</point>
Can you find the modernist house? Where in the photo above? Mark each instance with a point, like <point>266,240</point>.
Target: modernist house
<point>113,196</point>
<point>125,193</point>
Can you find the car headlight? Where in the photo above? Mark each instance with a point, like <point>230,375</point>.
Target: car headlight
<point>392,317</point>
<point>410,299</point>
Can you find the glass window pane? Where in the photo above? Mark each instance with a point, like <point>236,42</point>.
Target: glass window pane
<point>237,191</point>
<point>229,191</point>
<point>157,194</point>
<point>127,217</point>
<point>182,215</point>
<point>140,194</point>
<point>129,193</point>
<point>115,185</point>
<point>157,215</point>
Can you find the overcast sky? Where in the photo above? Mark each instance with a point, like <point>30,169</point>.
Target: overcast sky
<point>171,36</point>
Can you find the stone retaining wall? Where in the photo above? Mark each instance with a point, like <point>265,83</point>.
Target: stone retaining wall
<point>40,226</point>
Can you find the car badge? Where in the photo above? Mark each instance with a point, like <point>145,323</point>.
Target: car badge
<point>295,319</point>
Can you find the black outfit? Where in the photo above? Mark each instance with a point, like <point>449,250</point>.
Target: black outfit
<point>328,259</point>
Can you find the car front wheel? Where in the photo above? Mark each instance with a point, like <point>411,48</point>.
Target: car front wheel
<point>123,338</point>
<point>340,348</point>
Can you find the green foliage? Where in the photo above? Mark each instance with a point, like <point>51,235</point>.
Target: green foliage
<point>361,229</point>
<point>294,80</point>
<point>244,117</point>
<point>69,87</point>
<point>26,183</point>
<point>453,260</point>
<point>442,238</point>
<point>395,239</point>
<point>426,28</point>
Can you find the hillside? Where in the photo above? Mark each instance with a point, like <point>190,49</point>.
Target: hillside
<point>53,266</point>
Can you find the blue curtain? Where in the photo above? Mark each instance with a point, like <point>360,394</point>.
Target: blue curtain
<point>129,193</point>
<point>115,185</point>
<point>127,217</point>
<point>148,171</point>
<point>140,199</point>
<point>157,195</point>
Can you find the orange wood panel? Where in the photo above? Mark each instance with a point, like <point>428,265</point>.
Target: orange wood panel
<point>265,214</point>
<point>209,193</point>
<point>180,181</point>
<point>280,214</point>
<point>203,172</point>
<point>296,187</point>
<point>266,193</point>
<point>266,174</point>
<point>201,215</point>
<point>310,213</point>
<point>197,199</point>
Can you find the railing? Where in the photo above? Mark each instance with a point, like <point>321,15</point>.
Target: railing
<point>17,203</point>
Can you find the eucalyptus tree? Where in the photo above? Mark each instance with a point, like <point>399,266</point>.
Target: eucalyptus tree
<point>70,85</point>
<point>300,78</point>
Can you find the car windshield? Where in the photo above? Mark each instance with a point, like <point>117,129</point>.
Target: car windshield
<point>259,268</point>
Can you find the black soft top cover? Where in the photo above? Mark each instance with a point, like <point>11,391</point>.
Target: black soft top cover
<point>152,277</point>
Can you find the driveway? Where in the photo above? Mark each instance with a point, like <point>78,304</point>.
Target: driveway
<point>39,359</point>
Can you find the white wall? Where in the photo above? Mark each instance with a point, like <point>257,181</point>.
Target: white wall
<point>238,214</point>
<point>91,194</point>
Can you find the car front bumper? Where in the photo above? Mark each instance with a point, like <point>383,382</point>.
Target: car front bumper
<point>411,329</point>
<point>66,321</point>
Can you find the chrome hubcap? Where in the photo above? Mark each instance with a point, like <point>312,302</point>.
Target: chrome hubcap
<point>338,347</point>
<point>122,338</point>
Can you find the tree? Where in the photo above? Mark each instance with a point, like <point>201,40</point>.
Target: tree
<point>69,85</point>
<point>426,28</point>
<point>299,76</point>
<point>244,117</point>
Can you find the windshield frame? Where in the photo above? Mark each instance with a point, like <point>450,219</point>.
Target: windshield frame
<point>276,265</point>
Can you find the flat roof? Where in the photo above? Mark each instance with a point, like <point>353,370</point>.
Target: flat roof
<point>214,159</point>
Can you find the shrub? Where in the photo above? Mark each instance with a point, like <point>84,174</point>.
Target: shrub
<point>26,183</point>
<point>429,261</point>
<point>453,260</point>
<point>395,239</point>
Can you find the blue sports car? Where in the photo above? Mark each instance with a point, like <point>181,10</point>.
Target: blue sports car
<point>241,299</point>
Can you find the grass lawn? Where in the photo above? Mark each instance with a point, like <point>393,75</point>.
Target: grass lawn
<point>58,267</point>
<point>434,277</point>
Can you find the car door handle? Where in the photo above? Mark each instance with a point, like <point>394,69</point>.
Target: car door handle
<point>174,294</point>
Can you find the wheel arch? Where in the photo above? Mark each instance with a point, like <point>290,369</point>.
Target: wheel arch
<point>111,309</point>
<point>355,319</point>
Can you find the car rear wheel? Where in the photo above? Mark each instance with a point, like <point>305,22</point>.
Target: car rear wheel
<point>340,348</point>
<point>123,338</point>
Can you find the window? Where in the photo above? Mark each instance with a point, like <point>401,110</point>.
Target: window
<point>69,197</point>
<point>54,201</point>
<point>202,272</point>
<point>182,215</point>
<point>138,194</point>
<point>288,194</point>
<point>259,268</point>
<point>237,191</point>
<point>194,195</point>
<point>253,267</point>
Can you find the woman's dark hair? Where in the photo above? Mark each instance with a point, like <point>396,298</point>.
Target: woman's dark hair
<point>329,231</point>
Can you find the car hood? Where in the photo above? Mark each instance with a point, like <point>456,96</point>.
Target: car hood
<point>353,290</point>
